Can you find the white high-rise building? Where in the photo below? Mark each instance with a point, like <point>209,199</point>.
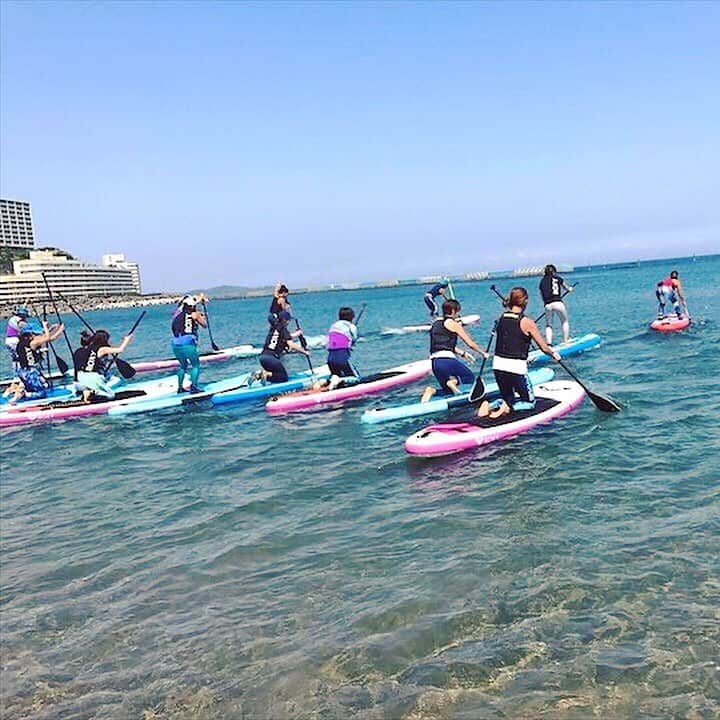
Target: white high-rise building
<point>73,278</point>
<point>16,224</point>
<point>118,260</point>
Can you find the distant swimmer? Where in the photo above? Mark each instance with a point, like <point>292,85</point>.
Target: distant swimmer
<point>670,288</point>
<point>512,343</point>
<point>429,298</point>
<point>279,302</point>
<point>29,354</point>
<point>185,323</point>
<point>12,332</point>
<point>277,343</point>
<point>448,370</point>
<point>551,289</point>
<point>93,362</point>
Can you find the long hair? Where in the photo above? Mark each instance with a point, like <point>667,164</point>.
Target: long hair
<point>550,270</point>
<point>518,296</point>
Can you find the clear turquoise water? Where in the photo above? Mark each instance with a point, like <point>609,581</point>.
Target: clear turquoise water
<point>224,564</point>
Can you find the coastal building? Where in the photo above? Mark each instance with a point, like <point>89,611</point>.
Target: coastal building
<point>16,225</point>
<point>118,260</point>
<point>73,278</point>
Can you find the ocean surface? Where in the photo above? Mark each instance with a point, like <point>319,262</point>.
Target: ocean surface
<point>220,563</point>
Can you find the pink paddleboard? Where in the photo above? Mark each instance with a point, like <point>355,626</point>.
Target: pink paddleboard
<point>670,323</point>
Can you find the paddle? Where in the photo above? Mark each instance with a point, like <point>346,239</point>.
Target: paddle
<point>360,314</point>
<point>207,318</point>
<point>451,289</point>
<point>601,402</point>
<point>303,343</point>
<point>59,319</point>
<point>542,314</point>
<point>123,366</point>
<point>477,391</point>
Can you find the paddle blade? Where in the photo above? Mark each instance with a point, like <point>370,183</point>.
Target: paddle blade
<point>215,347</point>
<point>125,368</point>
<point>63,367</point>
<point>603,403</point>
<point>477,392</point>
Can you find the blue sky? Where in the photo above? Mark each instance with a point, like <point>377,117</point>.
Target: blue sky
<point>241,143</point>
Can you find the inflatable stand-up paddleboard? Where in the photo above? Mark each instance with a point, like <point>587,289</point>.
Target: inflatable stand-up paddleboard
<point>442,404</point>
<point>553,400</point>
<point>378,382</point>
<point>425,327</point>
<point>258,389</point>
<point>671,323</point>
<point>572,347</point>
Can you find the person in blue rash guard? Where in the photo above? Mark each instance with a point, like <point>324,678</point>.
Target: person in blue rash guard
<point>513,335</point>
<point>448,370</point>
<point>432,293</point>
<point>278,341</point>
<point>185,322</point>
<point>28,350</point>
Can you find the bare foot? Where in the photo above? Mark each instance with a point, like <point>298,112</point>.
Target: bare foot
<point>504,409</point>
<point>484,409</point>
<point>427,394</point>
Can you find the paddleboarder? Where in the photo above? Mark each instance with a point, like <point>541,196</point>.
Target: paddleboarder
<point>512,343</point>
<point>93,362</point>
<point>551,289</point>
<point>279,302</point>
<point>277,342</point>
<point>185,322</point>
<point>436,290</point>
<point>29,357</point>
<point>448,370</point>
<point>670,288</point>
<point>12,333</point>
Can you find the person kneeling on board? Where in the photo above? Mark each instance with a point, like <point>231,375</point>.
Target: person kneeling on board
<point>512,343</point>
<point>29,357</point>
<point>93,362</point>
<point>342,335</point>
<point>448,370</point>
<point>278,341</point>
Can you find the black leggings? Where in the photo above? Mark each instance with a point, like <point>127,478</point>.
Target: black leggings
<point>274,366</point>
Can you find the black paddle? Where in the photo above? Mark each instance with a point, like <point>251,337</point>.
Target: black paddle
<point>207,318</point>
<point>600,401</point>
<point>123,366</point>
<point>477,392</point>
<point>59,319</point>
<point>303,343</point>
<point>360,314</point>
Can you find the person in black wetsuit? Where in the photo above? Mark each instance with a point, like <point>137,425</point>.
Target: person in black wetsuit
<point>551,287</point>
<point>432,293</point>
<point>279,302</point>
<point>513,335</point>
<point>278,341</point>
<point>448,370</point>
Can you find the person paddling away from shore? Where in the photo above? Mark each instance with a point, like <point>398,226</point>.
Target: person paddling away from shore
<point>551,287</point>
<point>432,293</point>
<point>448,370</point>
<point>278,340</point>
<point>93,362</point>
<point>512,343</point>
<point>185,322</point>
<point>670,288</point>
<point>279,302</point>
<point>12,333</point>
<point>28,350</point>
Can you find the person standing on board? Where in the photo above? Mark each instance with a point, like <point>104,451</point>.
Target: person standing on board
<point>29,355</point>
<point>670,288</point>
<point>278,341</point>
<point>429,298</point>
<point>551,287</point>
<point>512,343</point>
<point>185,322</point>
<point>93,361</point>
<point>448,370</point>
<point>12,332</point>
<point>279,302</point>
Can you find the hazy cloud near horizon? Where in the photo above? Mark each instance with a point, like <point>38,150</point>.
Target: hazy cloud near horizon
<point>240,143</point>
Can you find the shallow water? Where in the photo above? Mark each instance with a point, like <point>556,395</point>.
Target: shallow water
<point>219,563</point>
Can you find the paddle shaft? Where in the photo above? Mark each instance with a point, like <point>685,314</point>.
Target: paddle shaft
<point>59,319</point>
<point>207,320</point>
<point>303,343</point>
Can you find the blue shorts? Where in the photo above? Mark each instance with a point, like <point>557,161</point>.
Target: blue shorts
<point>445,368</point>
